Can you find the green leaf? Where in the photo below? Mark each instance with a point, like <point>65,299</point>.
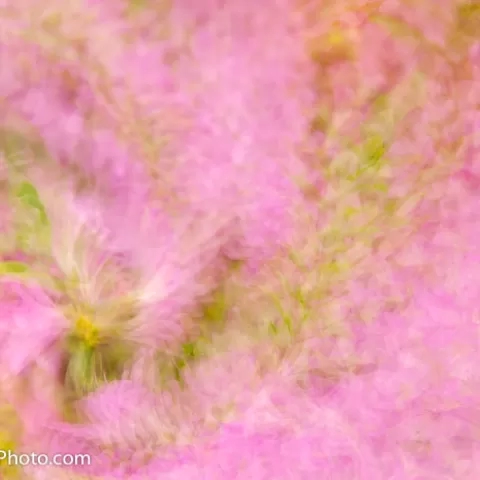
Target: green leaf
<point>80,376</point>
<point>13,144</point>
<point>110,360</point>
<point>29,195</point>
<point>214,312</point>
<point>272,328</point>
<point>285,315</point>
<point>189,350</point>
<point>374,150</point>
<point>178,367</point>
<point>7,268</point>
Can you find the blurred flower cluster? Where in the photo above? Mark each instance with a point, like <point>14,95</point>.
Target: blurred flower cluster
<point>239,239</point>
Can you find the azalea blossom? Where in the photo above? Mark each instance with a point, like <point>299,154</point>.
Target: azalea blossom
<point>238,240</point>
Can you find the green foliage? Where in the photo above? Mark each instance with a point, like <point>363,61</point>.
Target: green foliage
<point>90,366</point>
<point>13,268</point>
<point>374,150</point>
<point>13,145</point>
<point>32,228</point>
<point>189,353</point>
<point>80,374</point>
<point>215,310</point>
<point>28,194</point>
<point>272,329</point>
<point>189,350</point>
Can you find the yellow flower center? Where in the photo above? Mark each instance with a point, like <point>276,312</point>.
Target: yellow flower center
<point>86,331</point>
<point>336,39</point>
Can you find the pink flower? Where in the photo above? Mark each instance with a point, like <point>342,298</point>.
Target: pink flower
<point>167,143</point>
<point>30,325</point>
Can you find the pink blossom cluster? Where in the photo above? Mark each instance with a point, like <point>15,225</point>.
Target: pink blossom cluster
<point>238,239</point>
